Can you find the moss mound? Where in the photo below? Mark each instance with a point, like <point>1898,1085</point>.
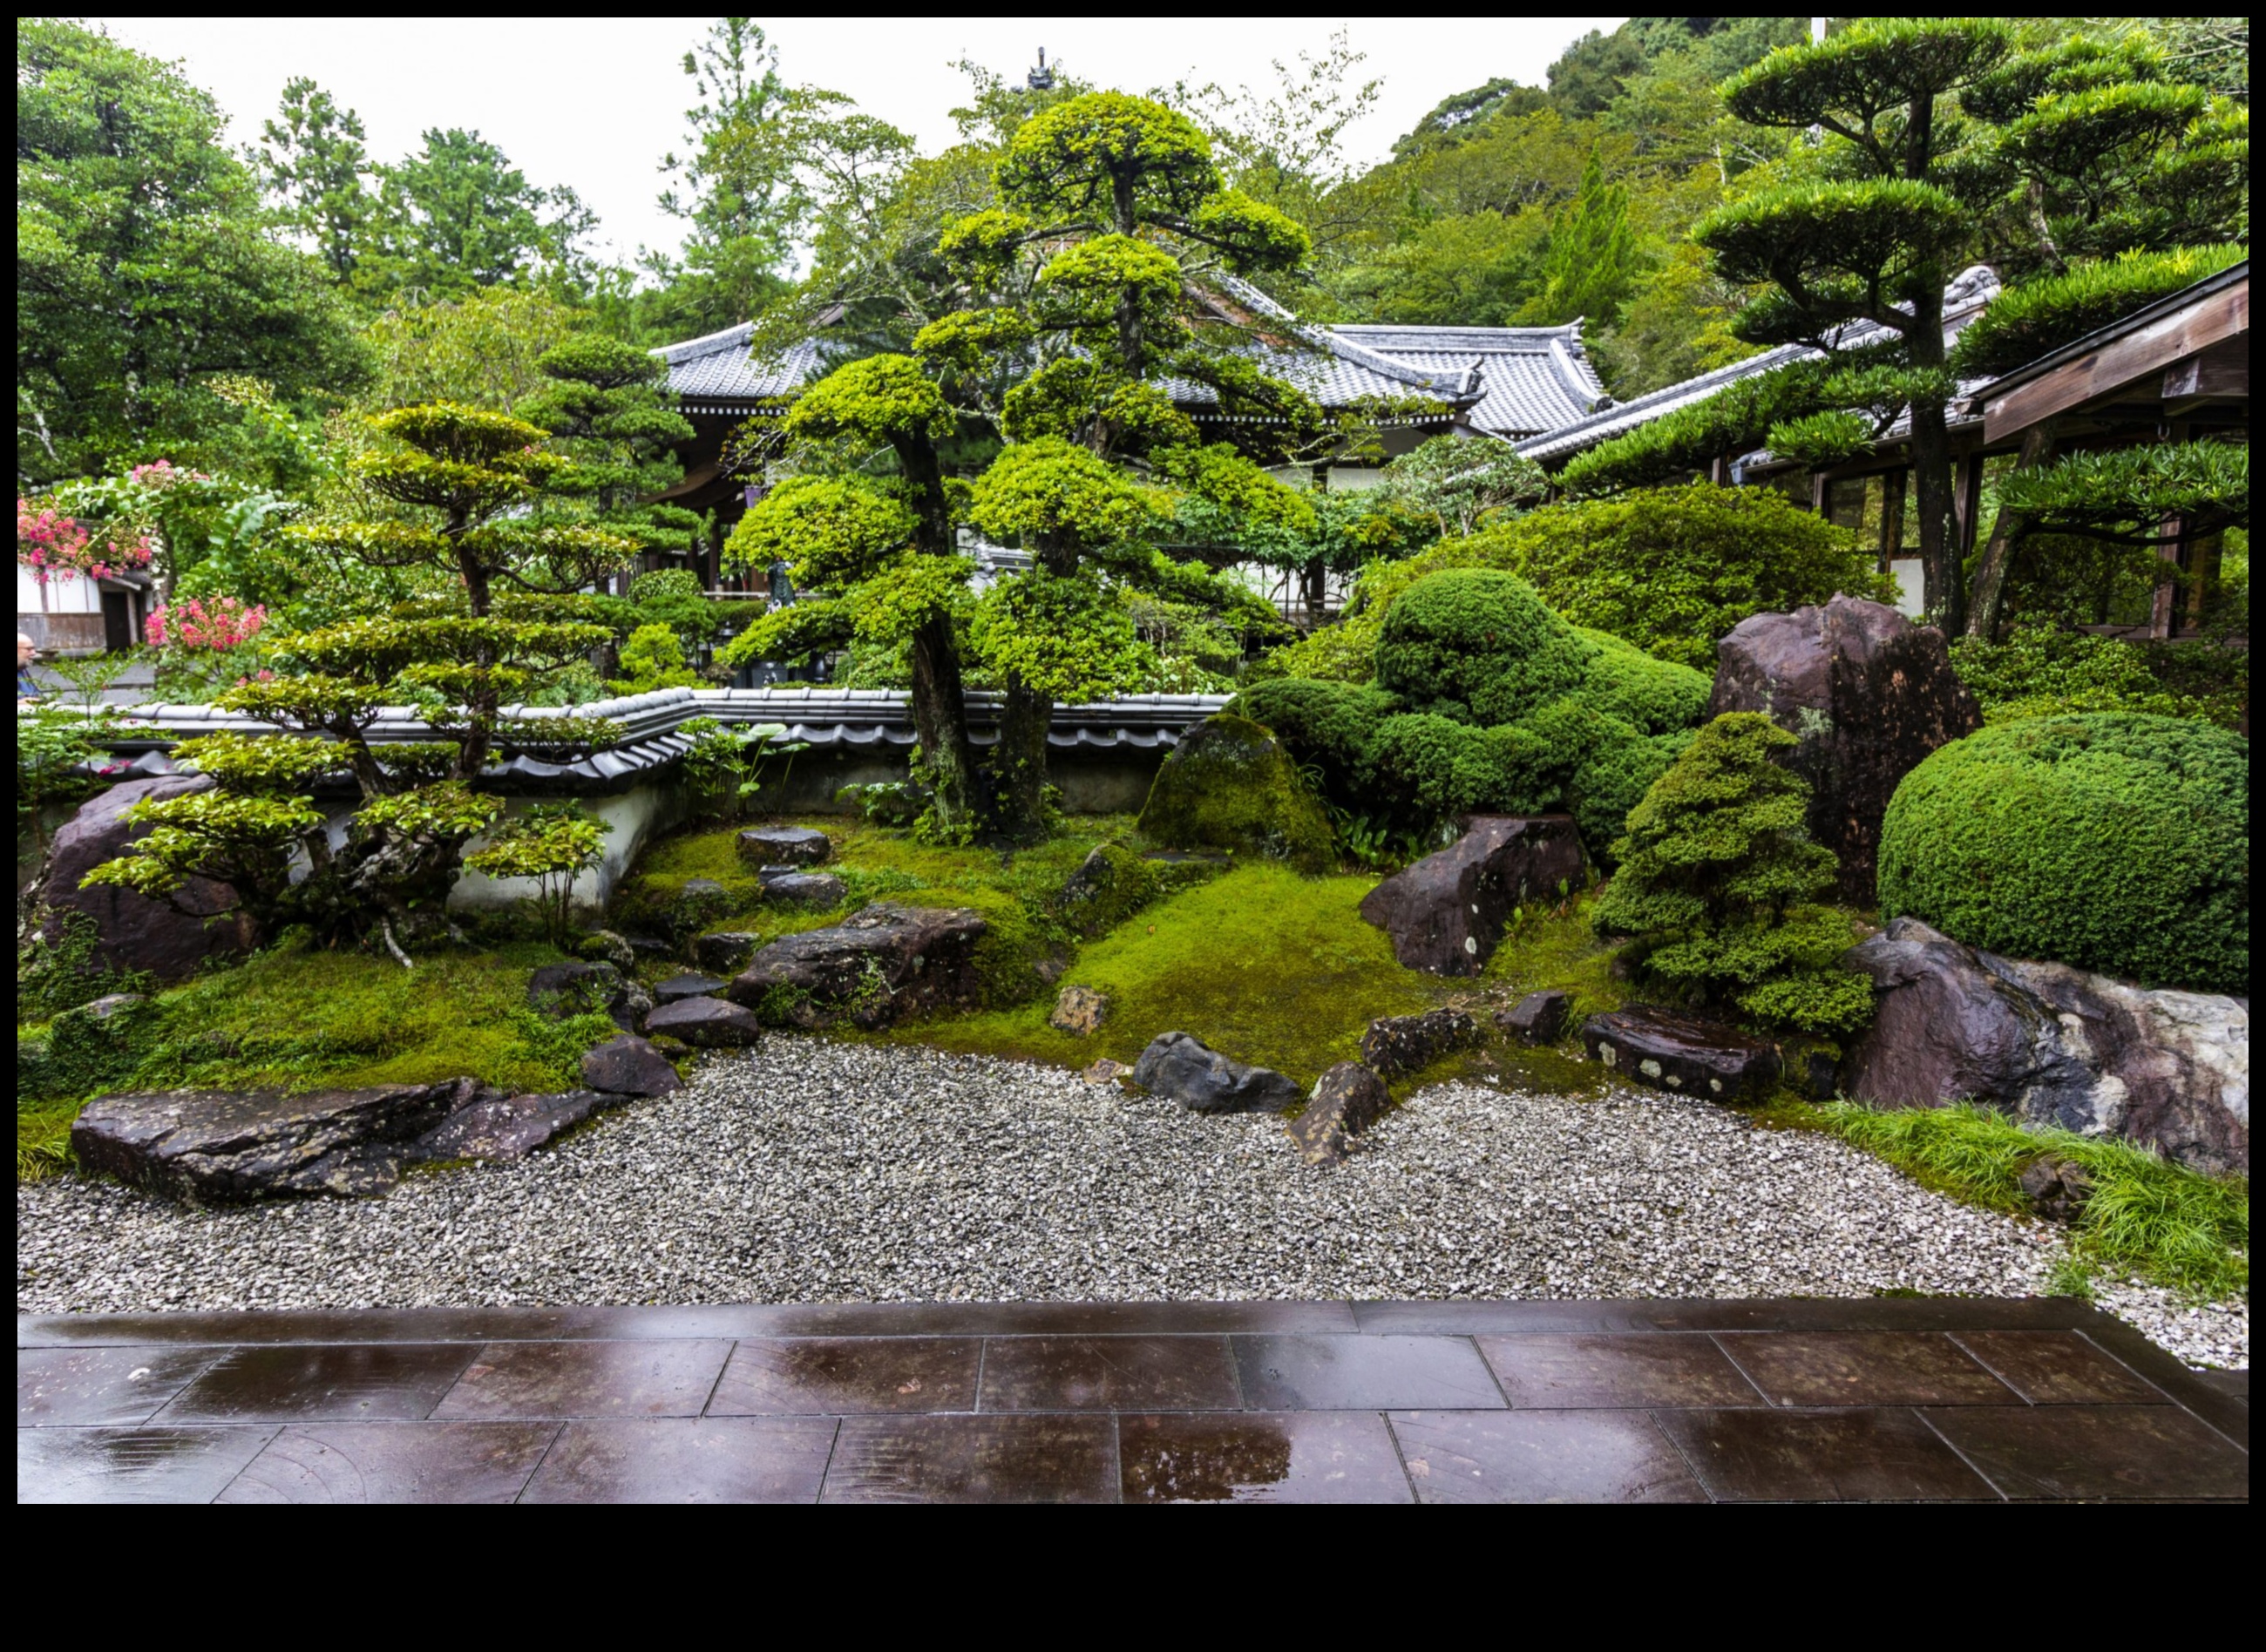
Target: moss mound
<point>2115,841</point>
<point>1229,786</point>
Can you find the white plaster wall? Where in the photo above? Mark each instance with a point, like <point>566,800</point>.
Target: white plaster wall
<point>635,817</point>
<point>68,593</point>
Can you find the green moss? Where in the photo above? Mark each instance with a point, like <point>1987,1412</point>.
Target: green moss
<point>1010,956</point>
<point>1261,964</point>
<point>1558,947</point>
<point>1229,786</point>
<point>307,1019</point>
<point>2113,841</point>
<point>653,897</point>
<point>83,1054</point>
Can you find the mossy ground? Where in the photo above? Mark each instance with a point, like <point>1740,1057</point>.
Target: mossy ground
<point>296,1018</point>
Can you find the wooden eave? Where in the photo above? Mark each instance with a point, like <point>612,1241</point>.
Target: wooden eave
<point>2181,354</point>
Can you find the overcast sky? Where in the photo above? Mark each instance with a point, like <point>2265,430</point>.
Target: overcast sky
<point>595,102</point>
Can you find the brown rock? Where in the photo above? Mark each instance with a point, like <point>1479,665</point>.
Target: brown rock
<point>790,888</point>
<point>705,1024</point>
<point>784,846</point>
<point>871,969</point>
<point>727,949</point>
<point>1349,1099</point>
<point>562,990</point>
<point>1446,913</point>
<point>2057,1188</point>
<point>133,931</point>
<point>628,1065</point>
<point>1105,1071</point>
<point>1865,692</point>
<point>687,986</point>
<point>222,1146</point>
<point>1537,1019</point>
<point>2053,1045</point>
<point>1396,1044</point>
<point>1080,1010</point>
<point>1682,1053</point>
<point>509,1127</point>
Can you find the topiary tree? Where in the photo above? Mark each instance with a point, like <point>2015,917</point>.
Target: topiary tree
<point>2115,841</point>
<point>464,485</point>
<point>1719,882</point>
<point>883,550</point>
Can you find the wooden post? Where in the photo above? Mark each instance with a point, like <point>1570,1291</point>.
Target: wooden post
<point>1893,488</point>
<point>1967,499</point>
<point>2163,613</point>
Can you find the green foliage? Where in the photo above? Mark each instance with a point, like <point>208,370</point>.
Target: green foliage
<point>552,844</point>
<point>1591,259</point>
<point>1719,882</point>
<point>2040,671</point>
<point>87,1052</point>
<point>2024,322</point>
<point>2125,494</point>
<point>243,839</point>
<point>1477,646</point>
<point>653,658</point>
<point>2116,841</point>
<point>52,743</point>
<point>1485,702</point>
<point>260,764</point>
<point>1821,439</point>
<point>145,268</point>
<point>1462,485</point>
<point>2167,1224</point>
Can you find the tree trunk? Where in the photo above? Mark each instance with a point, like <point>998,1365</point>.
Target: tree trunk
<point>1316,581</point>
<point>2005,532</point>
<point>1939,545</point>
<point>1019,765</point>
<point>940,705</point>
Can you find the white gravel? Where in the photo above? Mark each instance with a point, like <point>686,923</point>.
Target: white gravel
<point>813,1171</point>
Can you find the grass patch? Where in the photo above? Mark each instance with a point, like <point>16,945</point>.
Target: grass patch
<point>2146,1217</point>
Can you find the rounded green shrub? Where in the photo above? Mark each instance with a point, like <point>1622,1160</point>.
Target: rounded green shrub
<point>1655,696</point>
<point>2115,841</point>
<point>1478,646</point>
<point>1328,726</point>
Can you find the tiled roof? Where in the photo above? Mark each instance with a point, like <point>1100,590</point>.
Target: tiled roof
<point>827,718</point>
<point>1963,299</point>
<point>718,369</point>
<point>1508,381</point>
<point>1530,379</point>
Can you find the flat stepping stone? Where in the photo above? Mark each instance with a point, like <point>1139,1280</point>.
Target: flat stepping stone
<point>784,846</point>
<point>705,1024</point>
<point>803,888</point>
<point>628,1065</point>
<point>686,986</point>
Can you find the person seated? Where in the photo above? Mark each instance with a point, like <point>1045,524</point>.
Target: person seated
<point>28,686</point>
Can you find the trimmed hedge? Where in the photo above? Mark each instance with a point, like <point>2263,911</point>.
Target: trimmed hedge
<point>2116,841</point>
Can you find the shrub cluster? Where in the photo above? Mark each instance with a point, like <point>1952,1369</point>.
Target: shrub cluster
<point>2042,672</point>
<point>1668,570</point>
<point>2116,841</point>
<point>1720,883</point>
<point>1484,701</point>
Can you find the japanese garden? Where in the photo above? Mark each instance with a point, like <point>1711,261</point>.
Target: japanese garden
<point>1154,804</point>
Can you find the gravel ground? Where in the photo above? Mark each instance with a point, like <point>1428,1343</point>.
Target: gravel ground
<point>812,1171</point>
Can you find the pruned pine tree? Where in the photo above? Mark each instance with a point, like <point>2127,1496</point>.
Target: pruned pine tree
<point>462,488</point>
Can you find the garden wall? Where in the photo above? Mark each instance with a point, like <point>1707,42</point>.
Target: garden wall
<point>1103,756</point>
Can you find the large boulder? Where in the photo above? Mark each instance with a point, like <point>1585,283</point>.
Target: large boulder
<point>784,846</point>
<point>1446,913</point>
<point>705,1024</point>
<point>220,1146</point>
<point>1348,1098</point>
<point>874,967</point>
<point>131,931</point>
<point>1229,785</point>
<point>1865,692</point>
<point>562,990</point>
<point>1683,1053</point>
<point>1397,1044</point>
<point>1180,1066</point>
<point>2053,1045</point>
<point>509,1127</point>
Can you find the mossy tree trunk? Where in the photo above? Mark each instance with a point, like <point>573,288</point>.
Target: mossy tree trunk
<point>939,694</point>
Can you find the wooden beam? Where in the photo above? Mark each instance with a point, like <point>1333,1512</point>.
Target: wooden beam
<point>2222,370</point>
<point>2122,361</point>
